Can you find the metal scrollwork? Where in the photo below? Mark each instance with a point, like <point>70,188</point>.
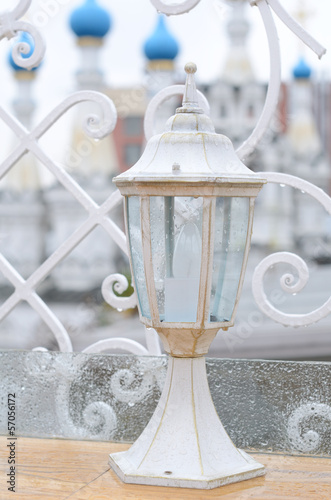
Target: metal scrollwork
<point>117,283</point>
<point>97,126</point>
<point>270,105</point>
<point>10,26</point>
<point>288,282</point>
<point>175,8</point>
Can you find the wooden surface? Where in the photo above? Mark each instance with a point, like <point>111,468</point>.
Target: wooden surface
<point>58,469</point>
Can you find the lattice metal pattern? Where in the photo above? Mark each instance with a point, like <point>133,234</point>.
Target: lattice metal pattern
<point>98,127</point>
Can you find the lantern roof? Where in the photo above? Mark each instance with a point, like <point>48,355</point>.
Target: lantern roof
<point>189,149</point>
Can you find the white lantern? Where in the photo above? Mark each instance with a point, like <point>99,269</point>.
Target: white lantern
<point>189,205</point>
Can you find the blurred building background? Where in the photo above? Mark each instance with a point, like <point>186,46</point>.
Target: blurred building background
<point>37,214</point>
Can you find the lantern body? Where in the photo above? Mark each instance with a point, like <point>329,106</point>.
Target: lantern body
<point>189,205</point>
<point>176,235</point>
<point>189,248</point>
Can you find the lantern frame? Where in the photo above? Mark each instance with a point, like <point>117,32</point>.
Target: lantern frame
<point>189,340</point>
<point>184,443</point>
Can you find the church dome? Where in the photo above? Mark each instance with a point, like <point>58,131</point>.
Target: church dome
<point>161,45</point>
<point>26,38</point>
<point>90,19</point>
<point>301,70</point>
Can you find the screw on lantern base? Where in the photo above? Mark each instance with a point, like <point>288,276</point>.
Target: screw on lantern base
<point>185,443</point>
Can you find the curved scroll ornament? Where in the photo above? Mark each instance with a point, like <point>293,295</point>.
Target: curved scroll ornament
<point>118,283</point>
<point>159,98</point>
<point>271,101</point>
<point>174,8</point>
<point>10,26</point>
<point>299,433</point>
<point>288,282</point>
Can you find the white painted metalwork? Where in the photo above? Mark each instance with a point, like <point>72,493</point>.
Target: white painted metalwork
<point>174,8</point>
<point>159,98</point>
<point>10,26</point>
<point>288,283</point>
<point>97,127</point>
<point>275,63</point>
<point>185,443</point>
<point>249,146</point>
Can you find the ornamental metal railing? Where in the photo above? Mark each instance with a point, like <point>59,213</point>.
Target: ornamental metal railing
<point>98,126</point>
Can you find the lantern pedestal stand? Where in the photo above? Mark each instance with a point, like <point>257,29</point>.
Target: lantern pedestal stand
<point>185,444</point>
<point>189,205</point>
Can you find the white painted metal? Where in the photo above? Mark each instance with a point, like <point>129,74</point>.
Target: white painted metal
<point>10,26</point>
<point>288,283</point>
<point>275,64</point>
<point>185,444</point>
<point>175,8</point>
<point>295,27</point>
<point>97,127</point>
<point>117,344</point>
<point>117,283</point>
<point>275,67</point>
<point>207,166</point>
<point>274,84</point>
<point>162,96</point>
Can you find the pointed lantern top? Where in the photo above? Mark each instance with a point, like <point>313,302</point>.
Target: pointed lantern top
<point>188,151</point>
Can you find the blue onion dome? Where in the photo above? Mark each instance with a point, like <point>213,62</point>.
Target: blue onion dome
<point>302,70</point>
<point>161,45</point>
<point>26,38</point>
<point>90,19</point>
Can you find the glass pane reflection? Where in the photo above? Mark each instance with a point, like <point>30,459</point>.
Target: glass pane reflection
<point>231,223</point>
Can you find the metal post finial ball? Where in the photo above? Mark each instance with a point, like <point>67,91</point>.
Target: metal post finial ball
<point>190,68</point>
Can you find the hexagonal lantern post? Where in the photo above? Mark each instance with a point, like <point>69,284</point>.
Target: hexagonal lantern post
<point>189,205</point>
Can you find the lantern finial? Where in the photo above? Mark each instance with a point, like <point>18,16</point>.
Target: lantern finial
<point>190,99</point>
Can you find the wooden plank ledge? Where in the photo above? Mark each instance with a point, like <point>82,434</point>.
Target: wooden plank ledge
<point>78,470</point>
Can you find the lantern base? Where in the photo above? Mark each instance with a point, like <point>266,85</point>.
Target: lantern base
<point>185,444</point>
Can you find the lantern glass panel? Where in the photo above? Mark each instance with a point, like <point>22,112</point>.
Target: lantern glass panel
<point>231,225</point>
<point>176,235</point>
<point>136,250</point>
